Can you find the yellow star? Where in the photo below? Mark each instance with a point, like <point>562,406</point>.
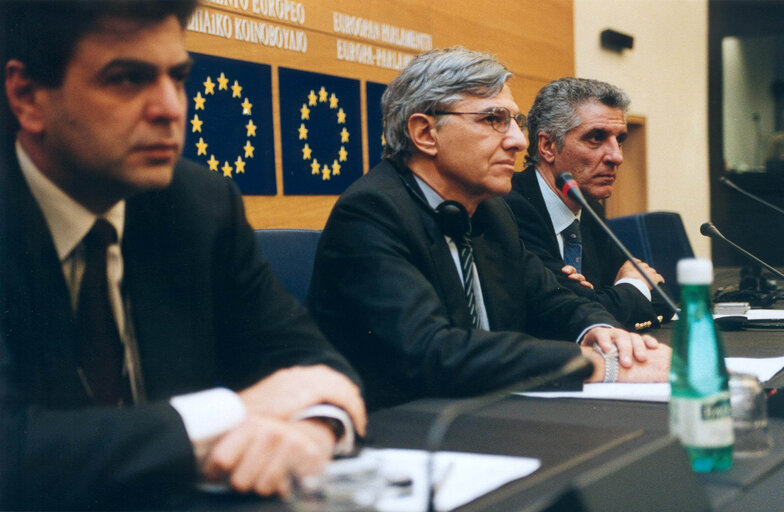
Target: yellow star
<point>236,90</point>
<point>209,86</point>
<point>312,98</point>
<point>248,147</point>
<point>226,169</point>
<point>201,147</point>
<point>383,140</point>
<point>213,163</point>
<point>335,168</point>
<point>341,117</point>
<point>196,123</point>
<point>303,132</point>
<point>251,128</point>
<point>333,101</point>
<point>325,172</point>
<point>342,154</point>
<point>314,167</point>
<point>246,106</point>
<point>306,151</point>
<point>239,165</point>
<point>304,112</point>
<point>323,95</point>
<point>223,83</point>
<point>199,100</point>
<point>344,135</point>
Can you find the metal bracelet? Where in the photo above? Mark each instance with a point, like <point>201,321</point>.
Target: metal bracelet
<point>611,365</point>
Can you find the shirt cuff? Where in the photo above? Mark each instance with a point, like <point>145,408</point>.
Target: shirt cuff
<point>637,283</point>
<point>207,415</point>
<point>580,337</point>
<point>344,444</point>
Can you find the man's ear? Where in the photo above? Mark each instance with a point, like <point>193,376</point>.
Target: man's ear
<point>22,98</point>
<point>546,146</point>
<point>422,130</point>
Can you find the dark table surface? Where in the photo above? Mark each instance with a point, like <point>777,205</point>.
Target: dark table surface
<point>572,437</point>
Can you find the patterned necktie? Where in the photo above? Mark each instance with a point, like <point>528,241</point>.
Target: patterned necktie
<point>573,245</point>
<point>466,254</point>
<point>100,348</point>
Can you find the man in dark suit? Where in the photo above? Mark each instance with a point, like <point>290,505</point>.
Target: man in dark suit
<point>578,125</point>
<point>389,285</point>
<point>146,344</point>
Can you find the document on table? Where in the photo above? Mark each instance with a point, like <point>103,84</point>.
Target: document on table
<point>458,477</point>
<point>764,368</point>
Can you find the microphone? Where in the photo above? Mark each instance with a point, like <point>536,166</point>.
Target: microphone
<point>569,187</point>
<point>733,186</point>
<point>709,230</point>
<point>578,367</point>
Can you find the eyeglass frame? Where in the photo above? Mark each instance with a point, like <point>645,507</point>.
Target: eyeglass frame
<point>520,119</point>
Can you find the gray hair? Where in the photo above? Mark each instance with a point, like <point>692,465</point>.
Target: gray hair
<point>435,80</point>
<point>554,111</point>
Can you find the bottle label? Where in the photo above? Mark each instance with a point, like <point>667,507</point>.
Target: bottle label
<point>704,422</point>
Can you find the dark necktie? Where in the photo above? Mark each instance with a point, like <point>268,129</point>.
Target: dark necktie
<point>466,254</point>
<point>573,245</point>
<point>100,348</point>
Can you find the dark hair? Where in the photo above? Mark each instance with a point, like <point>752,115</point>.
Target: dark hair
<point>43,34</point>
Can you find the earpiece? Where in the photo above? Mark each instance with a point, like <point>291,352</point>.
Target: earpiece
<point>453,219</point>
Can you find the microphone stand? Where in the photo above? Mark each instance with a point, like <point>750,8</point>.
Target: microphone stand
<point>569,187</point>
<point>709,230</point>
<point>749,194</point>
<point>578,366</point>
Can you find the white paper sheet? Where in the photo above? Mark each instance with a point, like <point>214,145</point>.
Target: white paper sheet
<point>764,368</point>
<point>460,477</point>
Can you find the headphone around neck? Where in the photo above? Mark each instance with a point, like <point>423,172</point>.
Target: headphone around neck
<point>453,219</point>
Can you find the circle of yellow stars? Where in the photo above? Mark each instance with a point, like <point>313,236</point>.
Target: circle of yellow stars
<point>314,100</point>
<point>199,101</point>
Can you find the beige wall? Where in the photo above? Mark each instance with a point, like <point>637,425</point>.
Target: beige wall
<point>666,76</point>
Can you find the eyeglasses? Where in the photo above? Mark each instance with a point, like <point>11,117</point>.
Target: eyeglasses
<point>498,117</point>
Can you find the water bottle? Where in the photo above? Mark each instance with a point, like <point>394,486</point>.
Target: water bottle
<point>700,401</point>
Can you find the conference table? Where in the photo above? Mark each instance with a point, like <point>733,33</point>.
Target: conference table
<point>580,441</point>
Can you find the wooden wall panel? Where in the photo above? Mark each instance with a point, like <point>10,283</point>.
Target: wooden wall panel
<point>534,38</point>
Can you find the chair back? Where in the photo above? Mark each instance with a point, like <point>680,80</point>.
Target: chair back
<point>290,253</point>
<point>657,238</point>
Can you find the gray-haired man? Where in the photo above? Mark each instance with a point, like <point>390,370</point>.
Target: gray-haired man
<point>579,125</point>
<point>394,285</point>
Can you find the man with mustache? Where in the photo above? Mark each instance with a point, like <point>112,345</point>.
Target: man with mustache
<point>145,345</point>
<point>579,125</point>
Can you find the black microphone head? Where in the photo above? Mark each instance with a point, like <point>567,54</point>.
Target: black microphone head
<point>569,187</point>
<point>579,366</point>
<point>708,229</point>
<point>563,178</point>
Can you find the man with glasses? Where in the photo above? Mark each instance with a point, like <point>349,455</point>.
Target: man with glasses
<point>420,278</point>
<point>579,126</point>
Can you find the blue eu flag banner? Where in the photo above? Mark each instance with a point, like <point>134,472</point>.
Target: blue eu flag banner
<point>229,127</point>
<point>321,132</point>
<point>375,122</point>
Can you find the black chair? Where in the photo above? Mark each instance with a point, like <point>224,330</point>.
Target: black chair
<point>657,238</point>
<point>290,253</point>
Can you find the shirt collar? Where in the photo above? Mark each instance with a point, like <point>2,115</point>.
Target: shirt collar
<point>560,214</point>
<point>68,220</point>
<point>432,197</point>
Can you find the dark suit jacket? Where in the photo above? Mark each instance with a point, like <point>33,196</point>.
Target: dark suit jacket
<point>386,291</point>
<point>601,258</point>
<point>206,311</point>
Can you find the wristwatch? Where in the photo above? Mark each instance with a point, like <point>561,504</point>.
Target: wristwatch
<point>611,365</point>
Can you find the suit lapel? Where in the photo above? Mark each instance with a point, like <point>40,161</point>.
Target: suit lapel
<point>39,321</point>
<point>446,279</point>
<point>533,193</point>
